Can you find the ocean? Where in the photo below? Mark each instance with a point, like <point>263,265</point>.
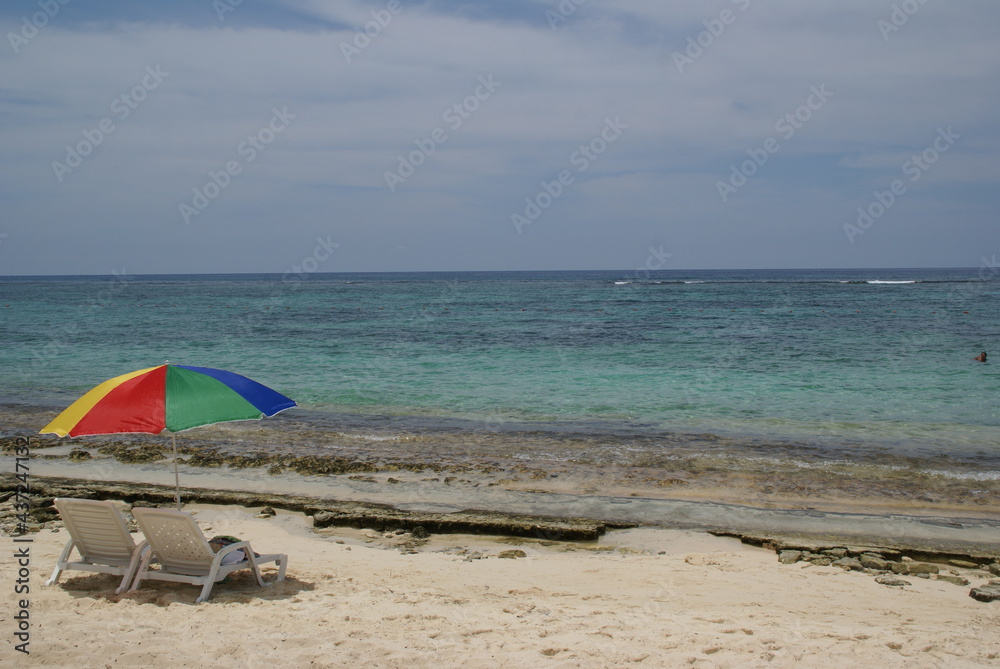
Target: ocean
<point>869,373</point>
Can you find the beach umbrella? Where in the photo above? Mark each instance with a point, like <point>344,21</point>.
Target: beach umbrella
<point>168,397</point>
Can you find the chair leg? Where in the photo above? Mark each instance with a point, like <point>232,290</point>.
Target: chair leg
<point>282,562</point>
<point>55,575</point>
<point>60,565</point>
<point>253,566</point>
<point>133,567</point>
<point>213,574</point>
<point>141,570</point>
<point>205,592</point>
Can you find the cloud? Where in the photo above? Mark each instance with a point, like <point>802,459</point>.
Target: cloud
<point>355,117</point>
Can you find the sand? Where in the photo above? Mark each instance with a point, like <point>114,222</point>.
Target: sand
<point>644,597</point>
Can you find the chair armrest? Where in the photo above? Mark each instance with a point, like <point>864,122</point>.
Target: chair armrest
<point>226,550</point>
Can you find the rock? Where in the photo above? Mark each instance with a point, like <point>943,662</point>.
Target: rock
<point>869,561</point>
<point>420,533</point>
<point>957,580</point>
<point>141,454</point>
<point>836,553</point>
<point>328,513</point>
<point>963,564</point>
<point>511,554</point>
<point>986,593</point>
<point>391,480</point>
<point>267,511</point>
<point>891,580</point>
<point>899,567</point>
<point>849,563</point>
<point>994,568</point>
<point>789,557</point>
<point>822,561</point>
<point>79,455</point>
<point>917,568</point>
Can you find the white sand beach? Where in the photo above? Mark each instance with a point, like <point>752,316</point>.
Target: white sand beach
<point>643,597</point>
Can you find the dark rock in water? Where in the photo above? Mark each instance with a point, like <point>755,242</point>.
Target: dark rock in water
<point>79,455</point>
<point>206,458</point>
<point>987,593</point>
<point>516,553</point>
<point>128,455</point>
<point>391,480</point>
<point>891,580</point>
<point>956,580</point>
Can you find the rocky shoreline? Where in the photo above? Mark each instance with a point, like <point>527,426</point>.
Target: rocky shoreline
<point>888,564</point>
<point>325,513</point>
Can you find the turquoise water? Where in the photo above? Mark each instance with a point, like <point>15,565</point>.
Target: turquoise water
<point>838,360</point>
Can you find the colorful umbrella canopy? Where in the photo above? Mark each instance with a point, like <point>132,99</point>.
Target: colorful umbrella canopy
<point>168,397</point>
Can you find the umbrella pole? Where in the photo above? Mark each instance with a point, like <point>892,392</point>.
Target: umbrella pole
<point>177,478</point>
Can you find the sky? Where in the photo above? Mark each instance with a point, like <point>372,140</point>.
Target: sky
<point>220,136</point>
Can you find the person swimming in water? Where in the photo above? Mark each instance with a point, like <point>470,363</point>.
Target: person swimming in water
<point>981,357</point>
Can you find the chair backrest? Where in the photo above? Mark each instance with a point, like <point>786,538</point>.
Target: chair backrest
<point>98,530</point>
<point>176,540</point>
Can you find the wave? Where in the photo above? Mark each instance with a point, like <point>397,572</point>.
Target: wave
<point>810,282</point>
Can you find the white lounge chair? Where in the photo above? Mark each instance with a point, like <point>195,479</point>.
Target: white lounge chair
<point>98,532</point>
<point>184,556</point>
